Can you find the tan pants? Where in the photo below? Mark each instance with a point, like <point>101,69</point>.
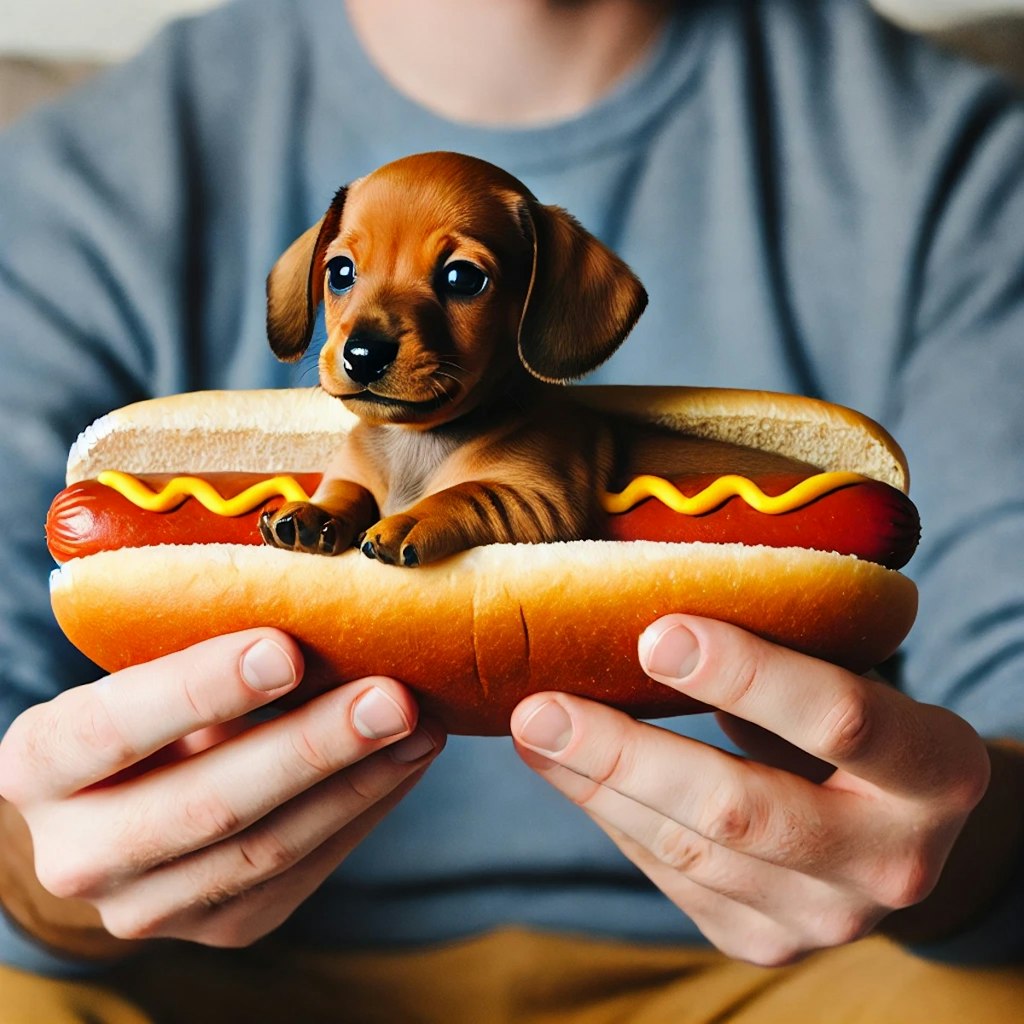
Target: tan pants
<point>522,977</point>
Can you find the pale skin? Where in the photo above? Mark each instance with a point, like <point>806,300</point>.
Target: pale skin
<point>219,847</point>
<point>914,830</point>
<point>848,809</point>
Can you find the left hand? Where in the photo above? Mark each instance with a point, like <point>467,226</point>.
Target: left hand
<point>849,811</point>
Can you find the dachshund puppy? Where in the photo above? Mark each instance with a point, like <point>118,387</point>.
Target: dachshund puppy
<point>455,305</point>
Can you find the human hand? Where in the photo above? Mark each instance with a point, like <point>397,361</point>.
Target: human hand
<point>849,811</point>
<point>152,796</point>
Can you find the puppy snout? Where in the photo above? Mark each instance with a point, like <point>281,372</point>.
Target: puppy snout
<point>367,356</point>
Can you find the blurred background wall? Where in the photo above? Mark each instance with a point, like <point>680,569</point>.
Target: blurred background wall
<point>48,45</point>
<point>86,29</point>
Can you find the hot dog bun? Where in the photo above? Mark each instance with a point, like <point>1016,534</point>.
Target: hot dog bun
<point>476,633</point>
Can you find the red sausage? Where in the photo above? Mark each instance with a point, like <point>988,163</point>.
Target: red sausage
<point>870,520</point>
<point>88,517</point>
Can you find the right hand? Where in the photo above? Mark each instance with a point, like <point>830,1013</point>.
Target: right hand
<point>151,796</point>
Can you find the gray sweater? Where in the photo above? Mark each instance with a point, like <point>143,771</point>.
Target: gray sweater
<point>815,202</point>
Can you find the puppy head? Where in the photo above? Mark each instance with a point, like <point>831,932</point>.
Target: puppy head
<point>442,279</point>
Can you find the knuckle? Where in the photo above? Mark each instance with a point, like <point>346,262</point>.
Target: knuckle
<point>967,792</point>
<point>613,768</point>
<point>312,755</point>
<point>973,772</point>
<point>204,694</point>
<point>66,877</point>
<point>587,795</point>
<point>236,924</point>
<point>730,818</point>
<point>847,728</point>
<point>907,882</point>
<point>679,848</point>
<point>192,693</point>
<point>93,727</point>
<point>208,817</point>
<point>740,679</point>
<point>127,920</point>
<point>775,949</point>
<point>46,738</point>
<point>371,780</point>
<point>779,954</point>
<point>264,853</point>
<point>840,928</point>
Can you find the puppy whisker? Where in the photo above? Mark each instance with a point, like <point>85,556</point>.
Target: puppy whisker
<point>452,366</point>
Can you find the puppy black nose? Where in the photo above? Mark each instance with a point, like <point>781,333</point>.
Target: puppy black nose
<point>366,357</point>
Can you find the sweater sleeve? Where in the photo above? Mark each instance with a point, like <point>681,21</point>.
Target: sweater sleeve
<point>961,420</point>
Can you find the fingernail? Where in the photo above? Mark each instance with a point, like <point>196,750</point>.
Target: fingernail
<point>412,748</point>
<point>549,728</point>
<point>266,666</point>
<point>669,653</point>
<point>376,715</point>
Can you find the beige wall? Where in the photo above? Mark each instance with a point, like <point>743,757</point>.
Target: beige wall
<point>85,29</point>
<point>937,15</point>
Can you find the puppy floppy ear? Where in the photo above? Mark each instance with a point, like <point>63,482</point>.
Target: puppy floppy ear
<point>582,300</point>
<point>295,286</point>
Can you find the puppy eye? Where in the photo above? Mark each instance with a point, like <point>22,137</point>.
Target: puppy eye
<point>463,279</point>
<point>341,274</point>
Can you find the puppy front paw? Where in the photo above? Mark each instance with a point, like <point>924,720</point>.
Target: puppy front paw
<point>388,541</point>
<point>303,526</point>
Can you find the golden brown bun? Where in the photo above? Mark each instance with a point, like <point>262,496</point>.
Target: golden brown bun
<point>476,633</point>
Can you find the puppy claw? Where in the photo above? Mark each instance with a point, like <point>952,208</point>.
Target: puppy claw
<point>383,555</point>
<point>266,531</point>
<point>410,556</point>
<point>310,532</point>
<point>303,526</point>
<point>283,531</point>
<point>385,541</point>
<point>327,544</point>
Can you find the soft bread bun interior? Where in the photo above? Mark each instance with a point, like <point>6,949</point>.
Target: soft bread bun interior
<point>260,431</point>
<point>297,429</point>
<point>476,633</point>
<point>831,437</point>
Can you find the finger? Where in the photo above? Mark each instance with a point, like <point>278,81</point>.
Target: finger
<point>89,733</point>
<point>739,930</point>
<point>821,912</point>
<point>253,915</point>
<point>864,727</point>
<point>123,832</point>
<point>160,902</point>
<point>736,804</point>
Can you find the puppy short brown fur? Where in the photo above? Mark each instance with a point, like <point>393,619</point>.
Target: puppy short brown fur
<point>456,307</point>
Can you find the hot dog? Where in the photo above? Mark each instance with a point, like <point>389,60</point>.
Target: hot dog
<point>476,633</point>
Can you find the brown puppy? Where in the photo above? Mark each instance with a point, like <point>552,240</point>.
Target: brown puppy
<point>454,302</point>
